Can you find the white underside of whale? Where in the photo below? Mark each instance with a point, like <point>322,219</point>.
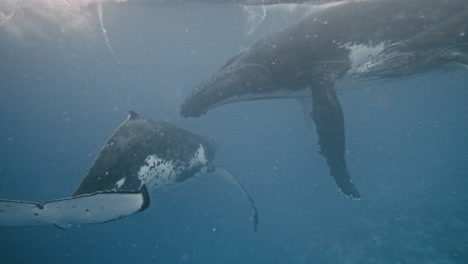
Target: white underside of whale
<point>158,172</point>
<point>99,207</point>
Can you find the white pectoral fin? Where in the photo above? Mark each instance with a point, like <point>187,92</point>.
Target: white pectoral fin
<point>20,213</point>
<point>225,174</point>
<point>95,208</point>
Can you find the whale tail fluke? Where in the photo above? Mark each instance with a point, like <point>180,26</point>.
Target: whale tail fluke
<point>95,208</point>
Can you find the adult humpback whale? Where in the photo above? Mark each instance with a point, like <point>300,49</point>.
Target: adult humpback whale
<point>141,154</point>
<point>358,39</point>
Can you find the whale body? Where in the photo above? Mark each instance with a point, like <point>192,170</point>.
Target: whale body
<point>140,156</point>
<point>373,39</point>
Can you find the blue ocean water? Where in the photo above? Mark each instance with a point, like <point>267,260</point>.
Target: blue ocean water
<point>64,91</point>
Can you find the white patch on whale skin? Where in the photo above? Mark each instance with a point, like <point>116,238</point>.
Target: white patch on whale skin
<point>120,183</point>
<point>158,172</point>
<point>360,55</point>
<point>199,158</point>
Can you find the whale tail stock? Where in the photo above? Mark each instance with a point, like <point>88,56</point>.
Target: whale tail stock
<point>329,122</point>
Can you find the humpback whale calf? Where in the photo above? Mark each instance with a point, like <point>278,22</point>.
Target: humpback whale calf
<point>374,39</point>
<point>141,155</point>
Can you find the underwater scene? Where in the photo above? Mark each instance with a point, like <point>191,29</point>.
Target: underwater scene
<point>234,131</point>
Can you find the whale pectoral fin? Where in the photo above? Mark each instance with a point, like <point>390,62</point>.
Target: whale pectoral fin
<point>225,174</point>
<point>98,207</point>
<point>461,65</point>
<point>329,122</point>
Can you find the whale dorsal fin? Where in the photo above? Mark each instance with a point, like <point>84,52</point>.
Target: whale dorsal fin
<point>133,115</point>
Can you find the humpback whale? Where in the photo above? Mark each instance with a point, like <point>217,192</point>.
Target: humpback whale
<point>141,155</point>
<point>375,39</point>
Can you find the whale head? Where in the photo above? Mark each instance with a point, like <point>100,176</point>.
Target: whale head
<point>238,80</point>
